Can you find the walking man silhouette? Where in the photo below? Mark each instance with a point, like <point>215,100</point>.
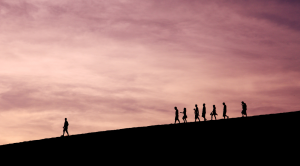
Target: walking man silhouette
<point>196,110</point>
<point>213,113</point>
<point>224,111</point>
<point>244,109</point>
<point>176,115</point>
<point>184,115</point>
<point>65,127</point>
<point>204,111</point>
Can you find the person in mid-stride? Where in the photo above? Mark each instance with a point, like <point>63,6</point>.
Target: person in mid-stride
<point>244,109</point>
<point>196,110</point>
<point>65,127</point>
<point>184,115</point>
<point>204,111</point>
<point>176,115</point>
<point>225,111</point>
<point>213,113</point>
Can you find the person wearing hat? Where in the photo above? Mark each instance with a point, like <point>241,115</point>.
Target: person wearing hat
<point>204,111</point>
<point>244,109</point>
<point>225,111</point>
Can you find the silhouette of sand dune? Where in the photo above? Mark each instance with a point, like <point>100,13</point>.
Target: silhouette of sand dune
<point>264,138</point>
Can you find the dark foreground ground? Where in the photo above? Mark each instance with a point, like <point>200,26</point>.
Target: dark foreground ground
<point>265,139</point>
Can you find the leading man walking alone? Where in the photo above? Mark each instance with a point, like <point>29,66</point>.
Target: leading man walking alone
<point>65,127</point>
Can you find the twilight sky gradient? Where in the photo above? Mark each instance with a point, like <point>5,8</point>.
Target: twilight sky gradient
<point>115,64</point>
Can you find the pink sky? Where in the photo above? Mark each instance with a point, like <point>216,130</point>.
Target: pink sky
<point>116,64</point>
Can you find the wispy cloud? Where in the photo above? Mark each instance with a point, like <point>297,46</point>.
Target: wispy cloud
<point>124,63</point>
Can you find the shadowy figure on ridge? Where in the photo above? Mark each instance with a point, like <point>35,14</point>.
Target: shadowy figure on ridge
<point>196,111</point>
<point>176,114</point>
<point>244,109</point>
<point>225,111</point>
<point>204,111</point>
<point>65,127</point>
<point>184,115</point>
<point>213,113</point>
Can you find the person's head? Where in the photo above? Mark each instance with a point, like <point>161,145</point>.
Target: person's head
<point>223,103</point>
<point>203,104</point>
<point>175,108</point>
<point>184,108</point>
<point>195,105</point>
<point>214,106</point>
<point>242,102</point>
<point>65,118</point>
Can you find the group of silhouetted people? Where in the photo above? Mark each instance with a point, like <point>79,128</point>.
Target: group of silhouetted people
<point>213,113</point>
<point>196,111</point>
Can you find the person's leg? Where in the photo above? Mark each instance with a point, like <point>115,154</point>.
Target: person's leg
<point>67,132</point>
<point>215,117</point>
<point>63,132</point>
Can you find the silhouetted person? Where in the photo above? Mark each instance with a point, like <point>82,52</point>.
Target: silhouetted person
<point>213,113</point>
<point>225,111</point>
<point>65,127</point>
<point>196,110</point>
<point>204,111</point>
<point>184,115</point>
<point>176,115</point>
<point>244,109</point>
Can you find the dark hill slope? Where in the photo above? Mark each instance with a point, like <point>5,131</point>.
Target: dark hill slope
<point>256,139</point>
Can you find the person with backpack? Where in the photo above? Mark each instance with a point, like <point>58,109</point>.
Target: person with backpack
<point>65,127</point>
<point>244,109</point>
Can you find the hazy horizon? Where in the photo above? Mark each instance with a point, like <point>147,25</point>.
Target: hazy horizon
<point>115,64</point>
